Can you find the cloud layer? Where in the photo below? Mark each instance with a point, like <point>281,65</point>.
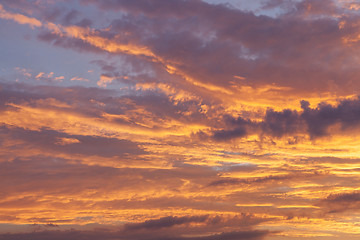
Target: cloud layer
<point>178,119</point>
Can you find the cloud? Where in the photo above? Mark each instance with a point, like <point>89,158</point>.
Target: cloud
<point>89,235</point>
<point>341,202</point>
<point>41,76</point>
<point>79,79</point>
<point>346,113</point>
<point>162,228</point>
<point>19,18</point>
<point>74,144</point>
<point>70,17</point>
<point>65,141</point>
<point>263,180</point>
<point>104,81</point>
<point>344,197</point>
<point>165,222</point>
<point>222,42</point>
<point>280,123</point>
<point>210,51</point>
<point>314,122</point>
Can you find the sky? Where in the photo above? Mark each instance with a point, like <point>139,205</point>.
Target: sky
<point>179,119</point>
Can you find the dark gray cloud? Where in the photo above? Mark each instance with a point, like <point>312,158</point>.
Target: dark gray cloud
<point>85,145</point>
<point>318,120</point>
<point>344,197</point>
<point>341,202</point>
<point>70,17</point>
<point>239,128</point>
<point>282,123</point>
<point>262,180</point>
<point>314,122</point>
<point>165,222</point>
<point>166,228</point>
<point>106,235</point>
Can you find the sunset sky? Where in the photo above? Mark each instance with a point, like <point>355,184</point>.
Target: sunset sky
<point>179,119</point>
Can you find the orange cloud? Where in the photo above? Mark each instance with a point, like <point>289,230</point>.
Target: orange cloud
<point>104,81</point>
<point>19,18</point>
